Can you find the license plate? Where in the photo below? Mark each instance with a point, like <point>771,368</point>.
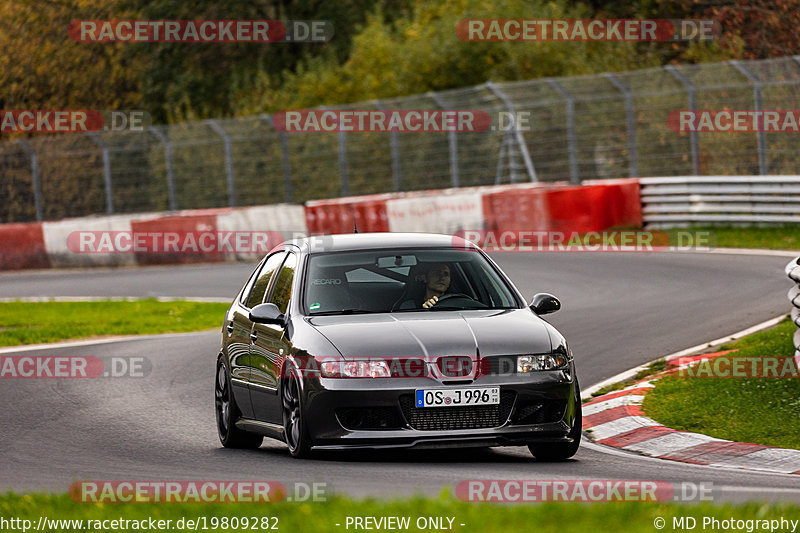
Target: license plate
<point>456,397</point>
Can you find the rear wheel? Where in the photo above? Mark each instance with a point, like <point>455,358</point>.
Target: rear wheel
<point>562,452</point>
<point>227,412</point>
<point>294,428</point>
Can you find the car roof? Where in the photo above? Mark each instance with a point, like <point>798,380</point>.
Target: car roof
<point>375,241</point>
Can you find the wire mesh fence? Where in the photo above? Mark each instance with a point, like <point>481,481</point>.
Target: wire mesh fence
<point>570,129</point>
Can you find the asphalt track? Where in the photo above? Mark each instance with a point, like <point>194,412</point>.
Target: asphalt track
<point>619,310</point>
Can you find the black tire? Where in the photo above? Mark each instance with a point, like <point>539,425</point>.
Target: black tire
<point>562,452</point>
<point>295,432</point>
<point>228,412</point>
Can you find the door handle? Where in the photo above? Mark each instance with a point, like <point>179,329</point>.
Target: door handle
<point>229,327</point>
<point>254,337</point>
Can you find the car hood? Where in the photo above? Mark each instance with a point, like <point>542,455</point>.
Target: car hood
<point>436,333</point>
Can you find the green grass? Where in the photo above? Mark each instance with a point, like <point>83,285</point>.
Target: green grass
<point>630,517</point>
<point>762,411</point>
<point>785,237</point>
<point>33,323</point>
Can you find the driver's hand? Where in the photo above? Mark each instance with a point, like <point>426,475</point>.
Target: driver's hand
<point>430,303</point>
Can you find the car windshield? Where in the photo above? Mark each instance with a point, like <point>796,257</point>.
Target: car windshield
<point>383,281</point>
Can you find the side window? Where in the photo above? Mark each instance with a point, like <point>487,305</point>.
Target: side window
<point>248,286</point>
<point>282,291</point>
<point>261,284</point>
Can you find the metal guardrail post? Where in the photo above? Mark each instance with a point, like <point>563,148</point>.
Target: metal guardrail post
<point>693,137</point>
<point>793,271</point>
<point>571,139</point>
<point>761,137</point>
<point>106,171</point>
<point>630,119</point>
<point>228,160</point>
<point>452,142</point>
<point>523,148</point>
<point>500,157</point>
<point>285,161</point>
<point>394,144</point>
<point>37,179</point>
<point>173,204</point>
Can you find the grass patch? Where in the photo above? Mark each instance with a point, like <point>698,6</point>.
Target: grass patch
<point>761,411</point>
<point>785,237</point>
<point>630,517</point>
<point>33,323</point>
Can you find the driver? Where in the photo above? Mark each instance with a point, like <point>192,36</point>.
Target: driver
<point>437,281</point>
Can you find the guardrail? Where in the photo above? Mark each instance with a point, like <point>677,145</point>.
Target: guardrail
<point>793,271</point>
<point>680,201</point>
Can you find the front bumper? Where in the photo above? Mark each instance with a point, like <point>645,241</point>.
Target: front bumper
<point>536,408</point>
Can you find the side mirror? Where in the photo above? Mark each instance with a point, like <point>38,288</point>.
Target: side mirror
<point>544,303</point>
<point>266,314</point>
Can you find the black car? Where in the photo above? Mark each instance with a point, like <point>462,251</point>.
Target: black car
<point>390,340</point>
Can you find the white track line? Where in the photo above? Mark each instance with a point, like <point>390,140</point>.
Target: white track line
<point>72,344</point>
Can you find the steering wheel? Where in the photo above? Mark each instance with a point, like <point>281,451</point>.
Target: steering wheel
<point>460,295</point>
<point>455,295</point>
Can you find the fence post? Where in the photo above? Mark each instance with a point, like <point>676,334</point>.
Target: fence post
<point>345,186</point>
<point>173,204</point>
<point>500,157</point>
<point>693,137</point>
<point>343,162</point>
<point>523,148</point>
<point>287,165</point>
<point>37,179</point>
<point>228,160</point>
<point>452,143</point>
<point>761,138</point>
<point>572,147</point>
<point>394,144</point>
<point>630,119</point>
<point>106,171</point>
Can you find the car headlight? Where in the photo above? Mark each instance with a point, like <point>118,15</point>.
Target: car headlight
<point>535,363</point>
<point>356,369</point>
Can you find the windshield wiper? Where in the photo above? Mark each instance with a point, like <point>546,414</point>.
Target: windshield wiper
<point>344,312</point>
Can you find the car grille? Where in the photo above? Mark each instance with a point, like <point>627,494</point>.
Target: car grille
<point>369,418</point>
<point>452,418</point>
<point>539,412</point>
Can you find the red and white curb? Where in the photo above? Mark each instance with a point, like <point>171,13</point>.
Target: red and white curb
<point>616,419</point>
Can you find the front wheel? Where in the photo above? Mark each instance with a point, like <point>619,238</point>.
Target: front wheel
<point>561,452</point>
<point>227,412</point>
<point>294,428</point>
